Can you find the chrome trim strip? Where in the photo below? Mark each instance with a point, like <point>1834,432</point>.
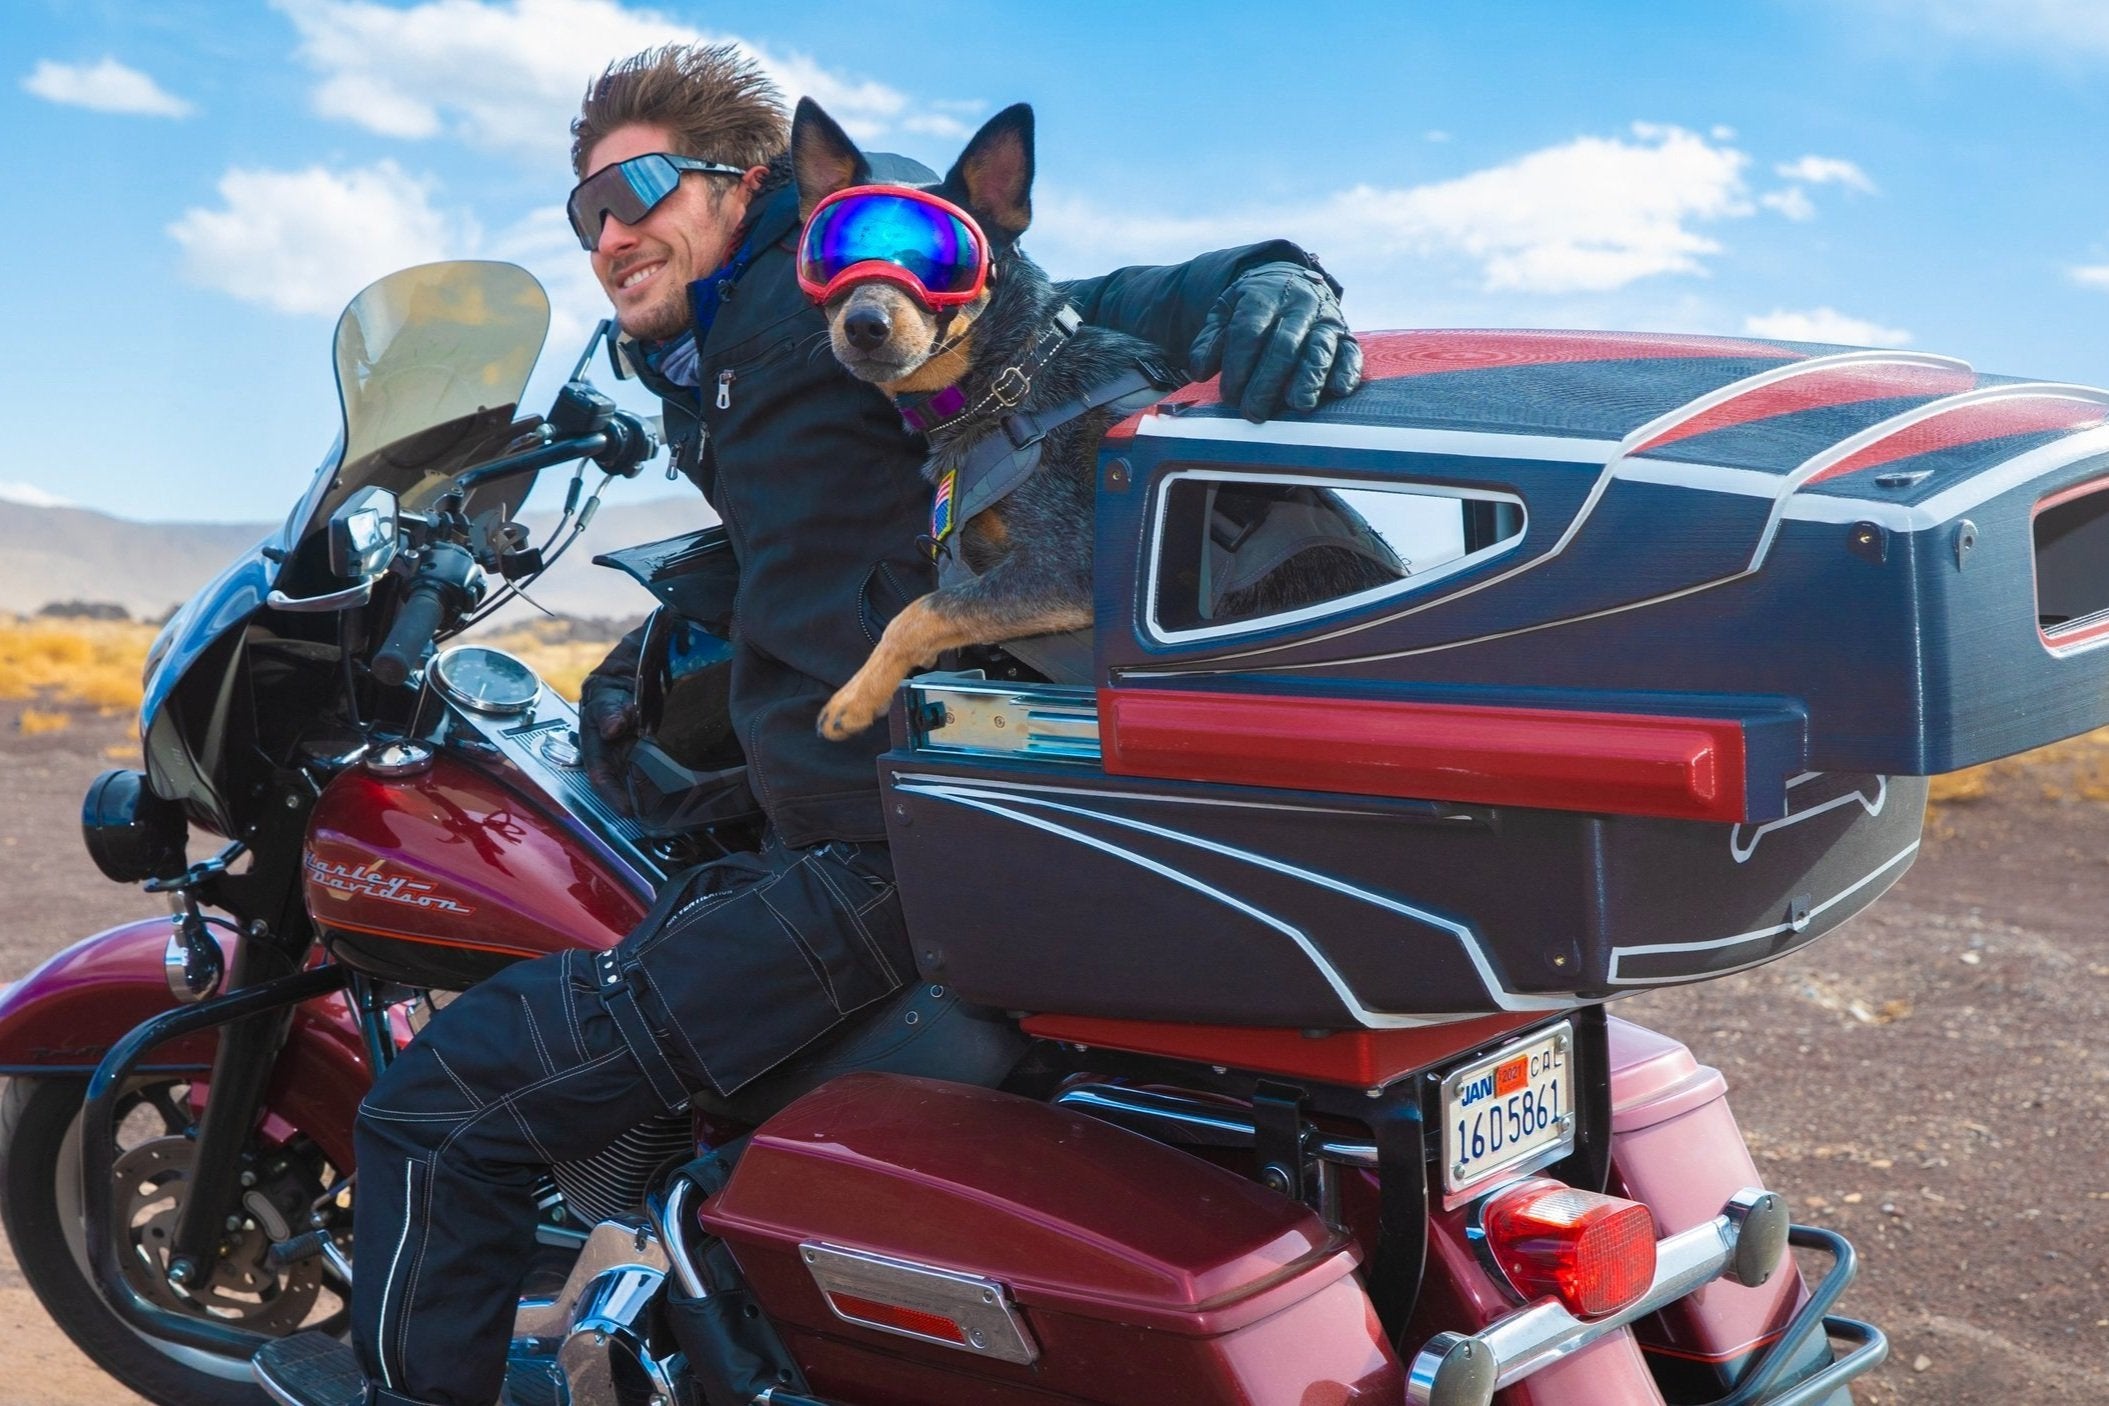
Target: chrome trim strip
<point>980,1307</point>
<point>1044,722</point>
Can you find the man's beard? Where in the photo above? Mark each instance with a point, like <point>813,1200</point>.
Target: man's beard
<point>664,319</point>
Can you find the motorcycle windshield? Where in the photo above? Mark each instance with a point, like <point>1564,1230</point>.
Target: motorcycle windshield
<point>431,362</point>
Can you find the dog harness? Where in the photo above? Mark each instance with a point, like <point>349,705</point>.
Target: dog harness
<point>994,465</point>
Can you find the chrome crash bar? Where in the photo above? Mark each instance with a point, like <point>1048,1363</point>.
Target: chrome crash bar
<point>1744,1243</point>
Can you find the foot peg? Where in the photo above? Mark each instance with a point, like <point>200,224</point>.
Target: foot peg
<point>309,1369</point>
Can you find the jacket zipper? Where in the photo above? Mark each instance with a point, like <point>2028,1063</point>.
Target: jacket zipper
<point>673,461</point>
<point>725,389</point>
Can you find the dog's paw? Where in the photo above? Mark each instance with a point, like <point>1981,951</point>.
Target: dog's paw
<point>845,716</point>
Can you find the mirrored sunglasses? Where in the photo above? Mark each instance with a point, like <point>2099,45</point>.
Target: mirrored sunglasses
<point>630,190</point>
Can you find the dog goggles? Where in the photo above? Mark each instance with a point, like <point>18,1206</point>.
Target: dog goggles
<point>928,246</point>
<point>630,190</point>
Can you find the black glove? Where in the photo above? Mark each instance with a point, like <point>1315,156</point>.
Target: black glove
<point>1278,337</point>
<point>607,728</point>
<point>608,720</point>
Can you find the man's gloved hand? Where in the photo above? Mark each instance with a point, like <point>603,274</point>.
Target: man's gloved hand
<point>607,728</point>
<point>1280,341</point>
<point>608,719</point>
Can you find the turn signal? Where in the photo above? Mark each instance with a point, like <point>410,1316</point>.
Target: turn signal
<point>1595,1254</point>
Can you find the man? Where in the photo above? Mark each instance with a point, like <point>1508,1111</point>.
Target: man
<point>815,478</point>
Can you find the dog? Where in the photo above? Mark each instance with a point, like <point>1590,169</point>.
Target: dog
<point>1013,356</point>
<point>1027,557</point>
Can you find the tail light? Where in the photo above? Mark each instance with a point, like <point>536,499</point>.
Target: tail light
<point>1595,1254</point>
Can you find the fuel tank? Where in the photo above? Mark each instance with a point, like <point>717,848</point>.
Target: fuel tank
<point>443,877</point>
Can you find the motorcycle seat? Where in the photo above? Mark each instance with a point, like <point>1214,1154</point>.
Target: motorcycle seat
<point>923,1030</point>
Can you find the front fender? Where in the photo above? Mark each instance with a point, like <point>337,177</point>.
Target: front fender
<point>62,1018</point>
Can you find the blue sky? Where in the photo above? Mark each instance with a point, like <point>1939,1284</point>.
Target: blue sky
<point>195,188</point>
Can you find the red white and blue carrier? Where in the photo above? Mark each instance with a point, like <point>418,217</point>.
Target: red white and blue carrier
<point>1679,628</point>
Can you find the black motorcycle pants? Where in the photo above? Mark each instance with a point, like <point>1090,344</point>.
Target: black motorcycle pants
<point>553,1059</point>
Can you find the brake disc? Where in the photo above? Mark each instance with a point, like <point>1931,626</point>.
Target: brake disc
<point>244,1288</point>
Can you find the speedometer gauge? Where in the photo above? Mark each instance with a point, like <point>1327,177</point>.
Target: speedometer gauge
<point>485,680</point>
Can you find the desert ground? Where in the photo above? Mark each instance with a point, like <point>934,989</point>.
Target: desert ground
<point>1933,1080</point>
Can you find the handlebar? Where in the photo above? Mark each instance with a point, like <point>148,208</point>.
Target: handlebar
<point>620,445</point>
<point>540,457</point>
<point>439,591</point>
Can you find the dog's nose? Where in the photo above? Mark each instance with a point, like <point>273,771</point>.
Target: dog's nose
<point>866,327</point>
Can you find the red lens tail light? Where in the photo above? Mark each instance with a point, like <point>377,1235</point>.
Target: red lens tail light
<point>1596,1254</point>
<point>898,1317</point>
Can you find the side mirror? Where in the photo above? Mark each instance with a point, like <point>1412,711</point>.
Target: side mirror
<point>363,535</point>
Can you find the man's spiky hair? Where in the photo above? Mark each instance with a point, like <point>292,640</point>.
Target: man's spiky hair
<point>714,100</point>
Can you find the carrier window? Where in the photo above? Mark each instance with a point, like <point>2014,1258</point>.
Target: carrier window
<point>1236,551</point>
<point>2072,566</point>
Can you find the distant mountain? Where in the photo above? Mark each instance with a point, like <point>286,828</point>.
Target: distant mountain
<point>50,554</point>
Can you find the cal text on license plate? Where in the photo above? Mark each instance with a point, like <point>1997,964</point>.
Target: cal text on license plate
<point>1509,1109</point>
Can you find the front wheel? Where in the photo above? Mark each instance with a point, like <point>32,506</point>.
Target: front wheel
<point>40,1206</point>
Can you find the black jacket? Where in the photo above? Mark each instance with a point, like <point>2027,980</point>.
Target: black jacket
<point>819,487</point>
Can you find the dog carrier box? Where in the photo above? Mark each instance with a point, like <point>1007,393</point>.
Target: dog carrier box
<point>1545,667</point>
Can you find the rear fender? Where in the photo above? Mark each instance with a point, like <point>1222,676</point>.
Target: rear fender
<point>61,1019</point>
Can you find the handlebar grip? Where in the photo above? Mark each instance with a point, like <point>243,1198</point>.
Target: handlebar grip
<point>416,625</point>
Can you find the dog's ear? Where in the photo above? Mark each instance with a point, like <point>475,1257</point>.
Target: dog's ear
<point>823,157</point>
<point>994,175</point>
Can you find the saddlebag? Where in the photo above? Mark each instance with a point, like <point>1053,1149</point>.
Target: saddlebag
<point>902,1232</point>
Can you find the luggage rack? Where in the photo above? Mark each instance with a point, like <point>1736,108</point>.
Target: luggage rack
<point>966,713</point>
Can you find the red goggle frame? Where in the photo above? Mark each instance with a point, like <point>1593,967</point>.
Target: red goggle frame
<point>894,234</point>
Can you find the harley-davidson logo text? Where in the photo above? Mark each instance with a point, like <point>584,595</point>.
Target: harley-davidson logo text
<point>370,882</point>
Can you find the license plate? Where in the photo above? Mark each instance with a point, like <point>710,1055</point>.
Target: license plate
<point>1509,1109</point>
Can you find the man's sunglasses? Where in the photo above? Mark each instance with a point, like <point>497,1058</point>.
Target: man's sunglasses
<point>630,190</point>
<point>897,234</point>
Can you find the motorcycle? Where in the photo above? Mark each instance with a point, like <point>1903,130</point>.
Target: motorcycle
<point>1261,1050</point>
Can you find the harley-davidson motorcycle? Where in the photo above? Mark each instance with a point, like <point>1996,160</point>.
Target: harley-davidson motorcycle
<point>1261,1051</point>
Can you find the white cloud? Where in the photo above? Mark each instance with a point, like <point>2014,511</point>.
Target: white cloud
<point>1825,325</point>
<point>507,75</point>
<point>1826,170</point>
<point>1793,202</point>
<point>1591,215</point>
<point>1436,135</point>
<point>936,124</point>
<point>29,495</point>
<point>2060,31</point>
<point>108,86</point>
<point>2092,276</point>
<point>305,241</point>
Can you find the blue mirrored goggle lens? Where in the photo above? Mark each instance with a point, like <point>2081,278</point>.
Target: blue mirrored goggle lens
<point>932,244</point>
<point>628,190</point>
